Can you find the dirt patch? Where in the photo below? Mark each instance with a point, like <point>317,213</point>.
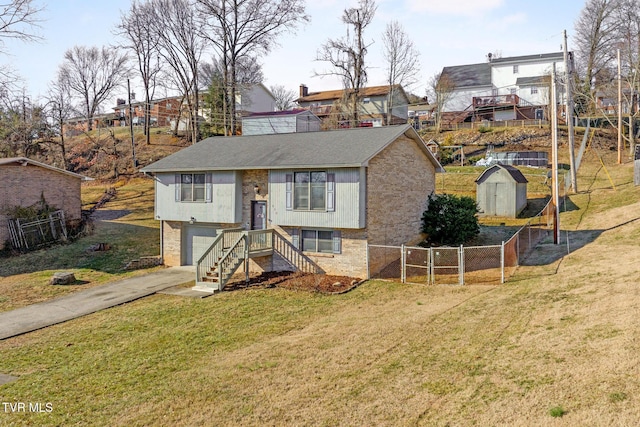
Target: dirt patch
<point>322,283</point>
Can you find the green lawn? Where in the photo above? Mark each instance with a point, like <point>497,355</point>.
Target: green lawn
<point>556,345</point>
<point>134,233</point>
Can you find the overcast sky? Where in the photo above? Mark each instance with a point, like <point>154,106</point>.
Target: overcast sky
<point>446,32</point>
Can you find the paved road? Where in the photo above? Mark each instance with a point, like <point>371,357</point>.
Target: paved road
<point>37,316</point>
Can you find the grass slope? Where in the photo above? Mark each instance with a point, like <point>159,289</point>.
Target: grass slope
<point>557,345</point>
<point>132,232</point>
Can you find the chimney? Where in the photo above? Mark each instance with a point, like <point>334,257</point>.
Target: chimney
<point>304,90</point>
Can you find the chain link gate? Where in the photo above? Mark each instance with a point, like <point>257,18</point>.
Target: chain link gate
<point>437,266</point>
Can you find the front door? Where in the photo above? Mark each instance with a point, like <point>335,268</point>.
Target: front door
<point>258,215</point>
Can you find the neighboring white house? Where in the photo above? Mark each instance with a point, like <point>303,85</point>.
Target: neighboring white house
<point>502,88</point>
<point>280,122</point>
<point>254,98</point>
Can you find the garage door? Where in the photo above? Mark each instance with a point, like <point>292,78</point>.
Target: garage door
<point>196,240</point>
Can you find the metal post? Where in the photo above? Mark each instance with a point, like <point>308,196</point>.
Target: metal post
<point>502,262</point>
<point>368,270</point>
<point>403,264</point>
<point>431,268</point>
<point>461,265</point>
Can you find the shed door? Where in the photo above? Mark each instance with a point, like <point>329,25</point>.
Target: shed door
<point>502,199</point>
<point>196,239</point>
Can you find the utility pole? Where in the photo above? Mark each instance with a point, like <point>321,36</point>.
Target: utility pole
<point>554,158</point>
<point>133,144</point>
<point>568,70</point>
<point>619,110</point>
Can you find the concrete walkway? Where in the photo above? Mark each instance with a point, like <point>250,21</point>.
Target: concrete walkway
<point>37,316</point>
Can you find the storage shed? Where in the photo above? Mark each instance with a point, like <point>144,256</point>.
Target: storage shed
<point>280,122</point>
<point>501,190</point>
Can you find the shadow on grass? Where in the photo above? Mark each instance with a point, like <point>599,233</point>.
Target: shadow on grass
<point>547,252</point>
<point>126,242</point>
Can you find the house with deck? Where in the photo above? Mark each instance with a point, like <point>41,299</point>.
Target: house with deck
<point>509,88</point>
<point>308,201</point>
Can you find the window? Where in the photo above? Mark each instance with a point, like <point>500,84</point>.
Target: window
<point>534,90</point>
<point>513,91</point>
<point>192,187</point>
<point>317,241</point>
<point>310,190</point>
<point>515,69</point>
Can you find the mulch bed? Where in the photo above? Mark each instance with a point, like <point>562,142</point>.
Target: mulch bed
<point>321,283</point>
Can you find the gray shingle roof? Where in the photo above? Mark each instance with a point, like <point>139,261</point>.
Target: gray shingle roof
<point>524,58</point>
<point>337,148</point>
<point>469,75</point>
<point>515,173</point>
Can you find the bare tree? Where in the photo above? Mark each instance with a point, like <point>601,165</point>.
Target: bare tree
<point>284,97</point>
<point>441,88</point>
<point>402,62</point>
<point>176,31</point>
<point>18,20</point>
<point>92,74</point>
<point>59,109</point>
<point>21,123</point>
<point>248,73</point>
<point>134,28</point>
<point>346,55</point>
<point>595,43</point>
<point>242,30</point>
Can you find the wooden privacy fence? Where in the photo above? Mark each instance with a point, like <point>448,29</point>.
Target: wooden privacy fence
<point>32,234</point>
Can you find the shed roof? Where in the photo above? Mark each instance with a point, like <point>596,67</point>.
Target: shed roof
<point>513,172</point>
<point>336,148</point>
<point>24,161</point>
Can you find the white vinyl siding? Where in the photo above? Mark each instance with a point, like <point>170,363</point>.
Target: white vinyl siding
<point>221,201</point>
<point>344,203</point>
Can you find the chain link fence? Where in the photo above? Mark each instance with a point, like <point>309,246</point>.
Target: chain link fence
<point>492,264</point>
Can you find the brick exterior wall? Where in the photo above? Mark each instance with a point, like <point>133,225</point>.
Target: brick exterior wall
<point>399,182</point>
<point>250,179</point>
<point>171,243</point>
<point>24,185</point>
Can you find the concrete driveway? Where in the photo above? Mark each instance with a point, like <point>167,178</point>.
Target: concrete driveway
<point>41,315</point>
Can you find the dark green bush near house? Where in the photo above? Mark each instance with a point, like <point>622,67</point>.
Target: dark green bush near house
<point>450,220</point>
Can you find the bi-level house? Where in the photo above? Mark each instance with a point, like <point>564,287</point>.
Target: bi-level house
<point>507,88</point>
<point>301,201</point>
